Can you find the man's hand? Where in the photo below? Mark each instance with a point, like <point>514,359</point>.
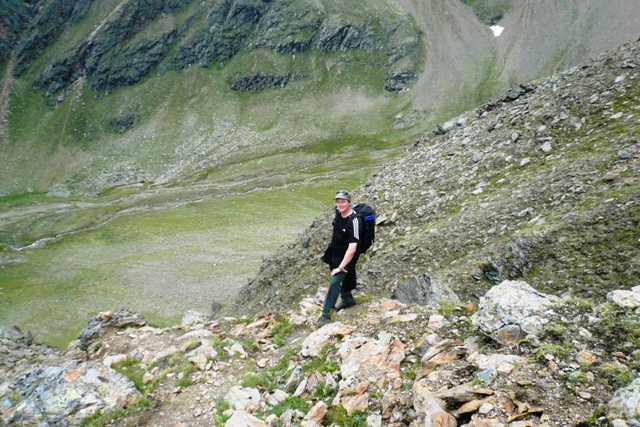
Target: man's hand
<point>337,271</point>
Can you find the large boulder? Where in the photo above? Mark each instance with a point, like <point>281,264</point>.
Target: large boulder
<point>626,402</point>
<point>424,290</point>
<point>364,357</point>
<point>512,310</point>
<point>66,394</point>
<point>624,298</point>
<point>105,320</point>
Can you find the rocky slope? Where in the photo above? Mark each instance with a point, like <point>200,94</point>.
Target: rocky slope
<point>520,358</point>
<point>541,184</point>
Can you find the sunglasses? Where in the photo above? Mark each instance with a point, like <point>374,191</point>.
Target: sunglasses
<point>343,195</point>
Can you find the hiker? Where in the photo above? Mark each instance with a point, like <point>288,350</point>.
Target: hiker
<point>342,257</point>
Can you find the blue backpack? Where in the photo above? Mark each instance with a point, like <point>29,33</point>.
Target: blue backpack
<point>368,227</point>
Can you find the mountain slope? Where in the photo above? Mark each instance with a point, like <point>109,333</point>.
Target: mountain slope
<point>227,79</point>
<point>539,184</point>
<point>466,64</point>
<point>109,69</point>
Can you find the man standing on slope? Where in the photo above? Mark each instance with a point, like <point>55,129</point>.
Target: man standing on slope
<point>344,245</point>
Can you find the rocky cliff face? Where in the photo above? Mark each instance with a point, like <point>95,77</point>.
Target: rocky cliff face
<point>138,37</point>
<point>14,19</point>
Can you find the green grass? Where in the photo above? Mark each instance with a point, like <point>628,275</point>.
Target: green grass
<point>282,330</point>
<point>616,374</point>
<point>267,378</point>
<point>104,418</point>
<point>132,370</point>
<point>337,415</point>
<point>446,308</point>
<point>322,363</point>
<point>485,10</point>
<point>53,291</point>
<point>221,406</point>
<point>557,350</point>
<point>291,402</point>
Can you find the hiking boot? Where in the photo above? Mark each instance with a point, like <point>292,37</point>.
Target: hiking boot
<point>344,305</point>
<point>323,321</point>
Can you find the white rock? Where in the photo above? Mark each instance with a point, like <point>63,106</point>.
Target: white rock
<point>113,359</point>
<point>197,334</point>
<point>626,299</point>
<point>244,419</point>
<point>512,309</point>
<point>243,398</point>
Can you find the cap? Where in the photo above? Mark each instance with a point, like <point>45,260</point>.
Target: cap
<point>343,194</point>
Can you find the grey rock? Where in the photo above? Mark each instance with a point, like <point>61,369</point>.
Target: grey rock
<point>294,379</point>
<point>192,317</point>
<point>514,260</point>
<point>99,324</point>
<point>15,334</point>
<point>424,290</point>
<point>512,310</point>
<point>260,81</point>
<point>244,419</point>
<point>624,298</point>
<point>66,394</point>
<point>123,124</point>
<point>243,398</point>
<point>488,375</point>
<point>626,401</point>
<point>399,80</point>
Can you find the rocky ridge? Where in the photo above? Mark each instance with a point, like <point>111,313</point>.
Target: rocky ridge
<point>540,183</point>
<point>138,37</point>
<point>518,358</point>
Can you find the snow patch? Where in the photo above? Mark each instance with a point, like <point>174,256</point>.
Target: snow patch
<point>497,30</point>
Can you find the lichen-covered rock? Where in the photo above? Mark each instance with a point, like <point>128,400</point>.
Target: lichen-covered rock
<point>512,310</point>
<point>65,394</point>
<point>624,298</point>
<point>626,402</point>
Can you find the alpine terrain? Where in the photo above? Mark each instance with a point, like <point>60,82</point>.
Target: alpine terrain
<point>166,191</point>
